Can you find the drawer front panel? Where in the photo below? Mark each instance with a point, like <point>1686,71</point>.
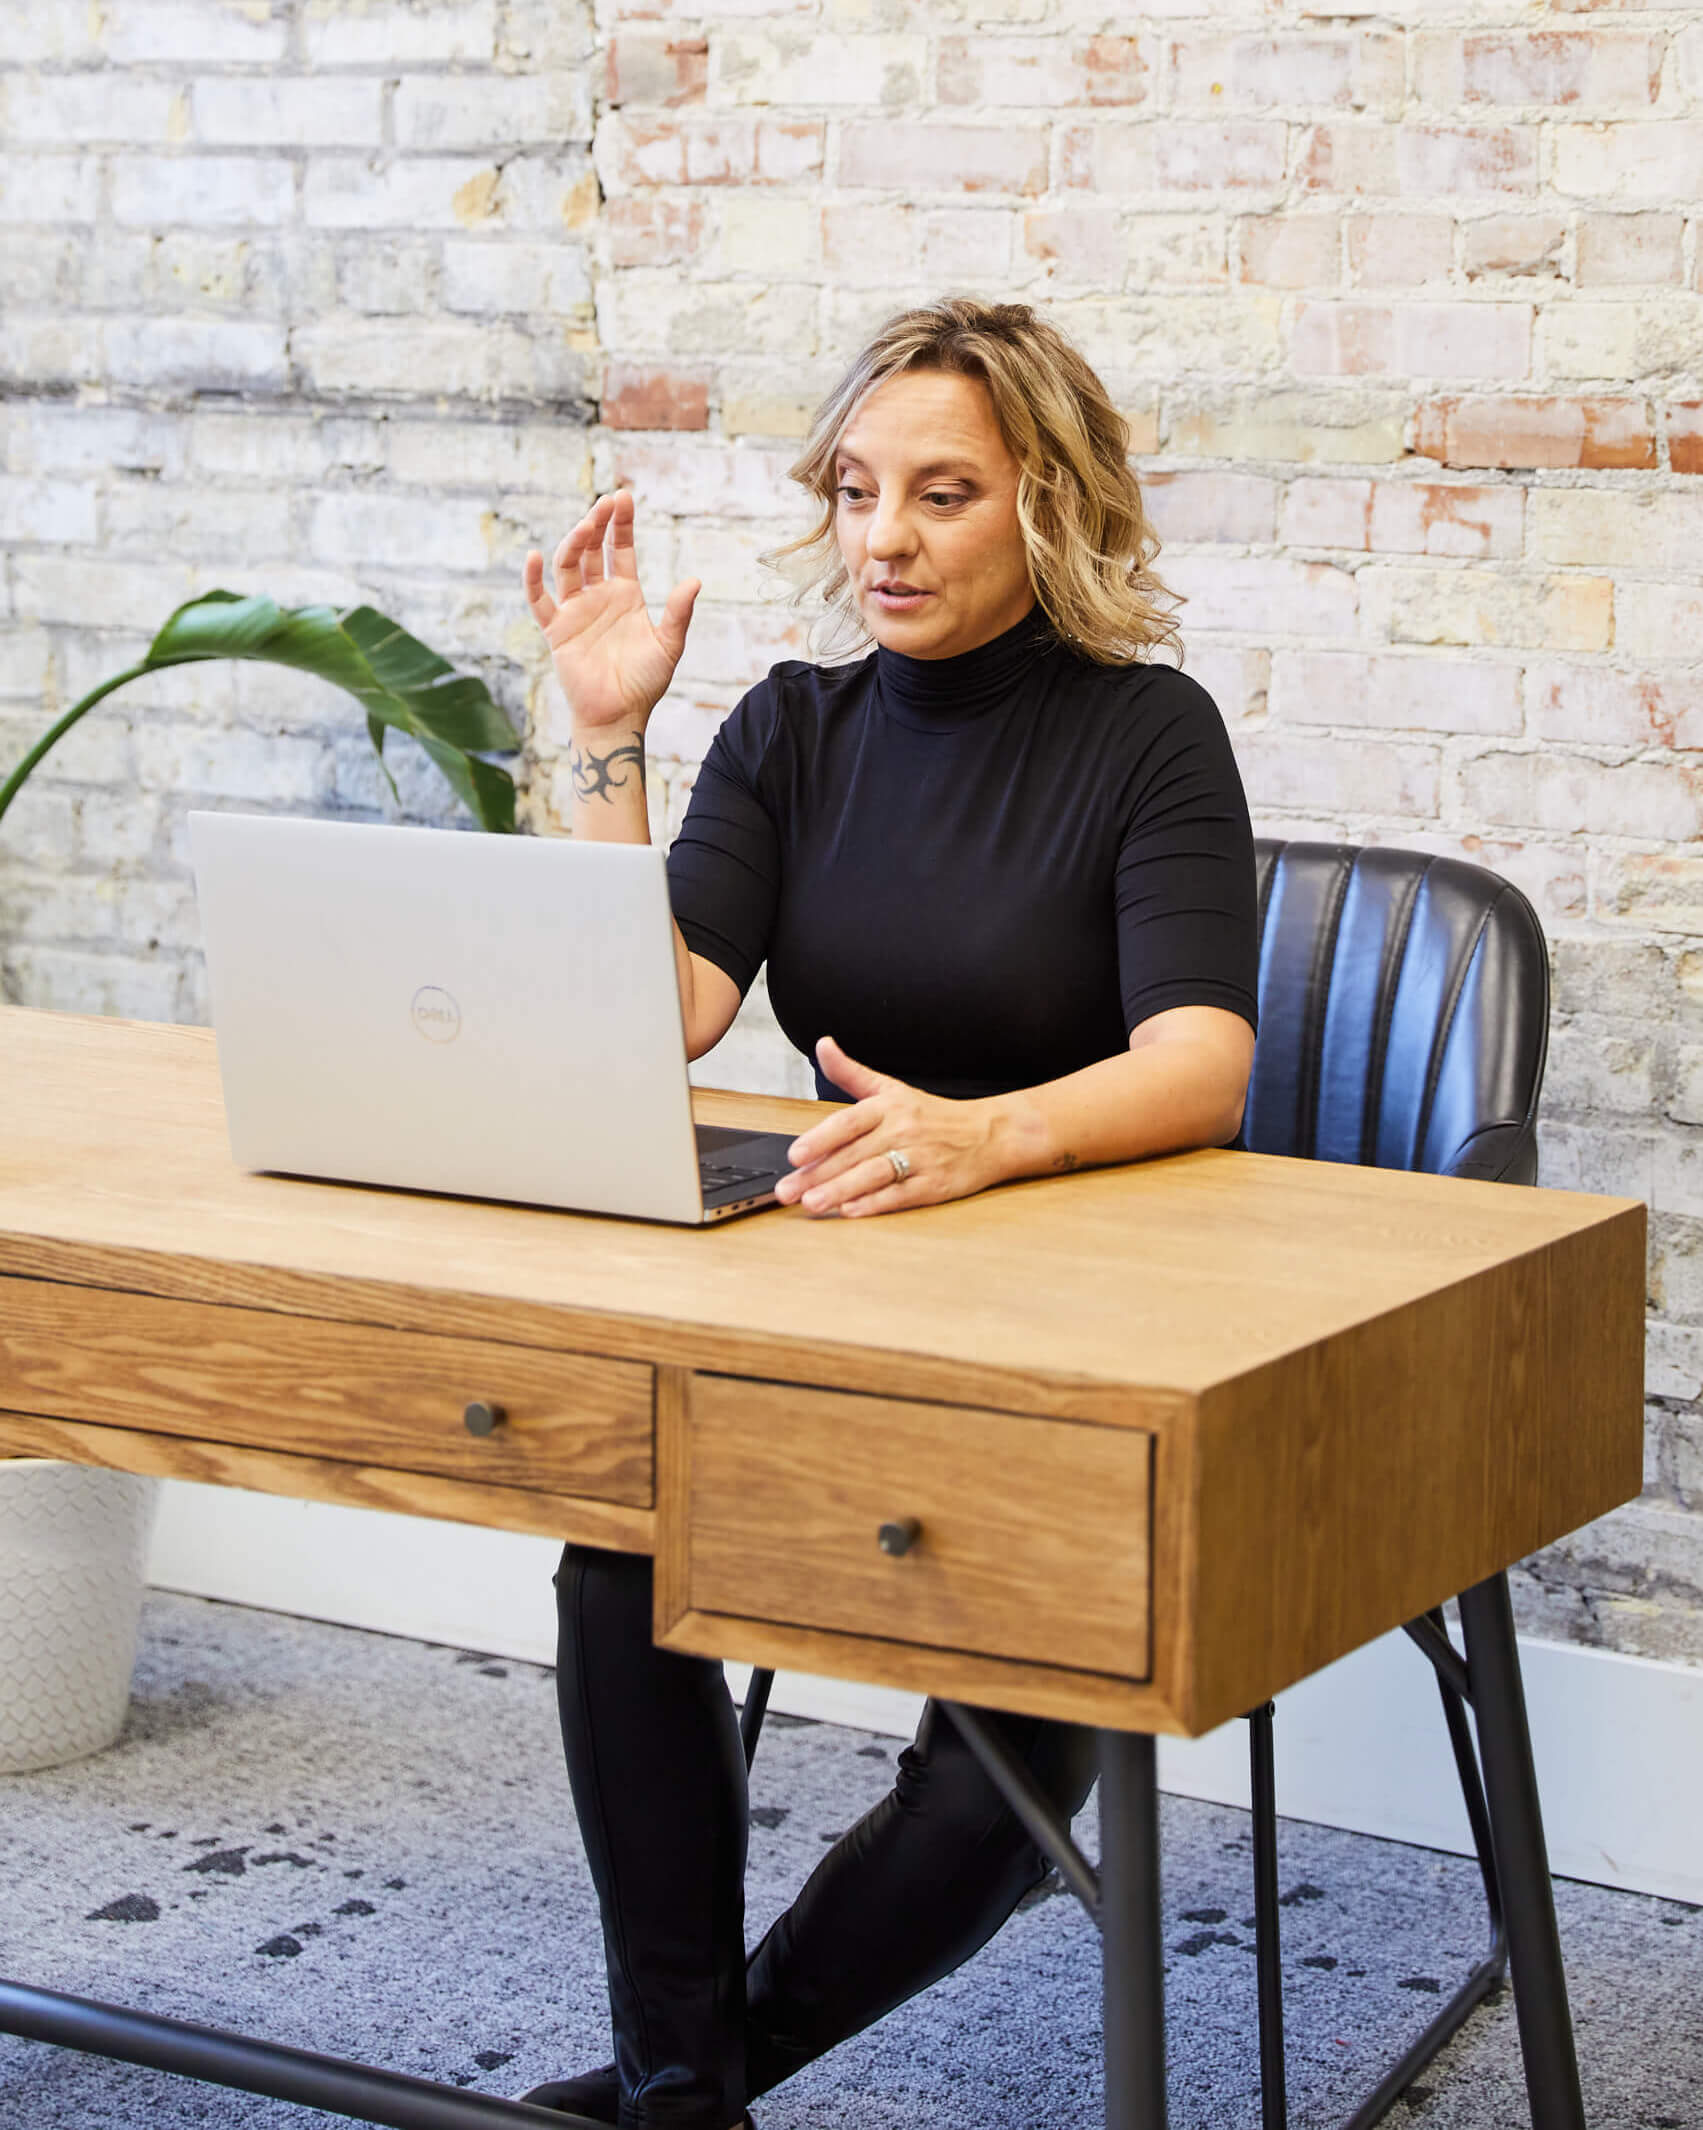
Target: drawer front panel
<point>1022,1537</point>
<point>571,1423</point>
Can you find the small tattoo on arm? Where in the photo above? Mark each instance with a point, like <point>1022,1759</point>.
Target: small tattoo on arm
<point>1064,1163</point>
<point>600,776</point>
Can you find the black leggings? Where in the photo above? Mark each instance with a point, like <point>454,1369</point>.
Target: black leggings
<point>658,1778</point>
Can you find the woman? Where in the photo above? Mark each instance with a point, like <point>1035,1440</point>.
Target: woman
<point>1002,876</point>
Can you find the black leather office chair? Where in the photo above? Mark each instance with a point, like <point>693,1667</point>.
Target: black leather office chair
<point>1404,1023</point>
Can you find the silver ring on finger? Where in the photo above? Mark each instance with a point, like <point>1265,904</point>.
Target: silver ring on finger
<point>901,1164</point>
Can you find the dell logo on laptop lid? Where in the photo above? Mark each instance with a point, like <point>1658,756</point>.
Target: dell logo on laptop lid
<point>435,1014</point>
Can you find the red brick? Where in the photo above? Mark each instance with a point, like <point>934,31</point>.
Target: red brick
<point>1513,244</point>
<point>1400,250</point>
<point>638,398</point>
<point>642,69</point>
<point>922,155</point>
<point>1448,518</point>
<point>1620,249</point>
<point>1290,250</point>
<point>1685,435</point>
<point>1220,156</point>
<point>651,232</point>
<point>1525,430</point>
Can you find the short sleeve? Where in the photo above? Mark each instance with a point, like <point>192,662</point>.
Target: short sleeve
<point>724,866</point>
<point>1187,909</point>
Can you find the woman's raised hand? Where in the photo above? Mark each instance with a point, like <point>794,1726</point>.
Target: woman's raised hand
<point>613,662</point>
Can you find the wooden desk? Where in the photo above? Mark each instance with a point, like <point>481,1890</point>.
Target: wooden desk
<point>1176,1434</point>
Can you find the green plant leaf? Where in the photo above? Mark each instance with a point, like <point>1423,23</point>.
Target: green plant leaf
<point>397,680</point>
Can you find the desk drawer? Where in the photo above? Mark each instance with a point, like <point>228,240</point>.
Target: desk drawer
<point>572,1423</point>
<point>1032,1538</point>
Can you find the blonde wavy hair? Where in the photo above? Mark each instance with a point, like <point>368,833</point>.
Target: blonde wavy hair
<point>1084,526</point>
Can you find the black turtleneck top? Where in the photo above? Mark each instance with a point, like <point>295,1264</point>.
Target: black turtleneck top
<point>976,873</point>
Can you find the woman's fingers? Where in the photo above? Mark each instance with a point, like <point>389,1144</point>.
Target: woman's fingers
<point>566,563</point>
<point>532,583</point>
<point>866,1187</point>
<point>833,1133</point>
<point>623,554</point>
<point>676,613</point>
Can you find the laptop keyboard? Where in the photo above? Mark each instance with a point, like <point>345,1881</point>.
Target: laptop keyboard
<point>725,1175</point>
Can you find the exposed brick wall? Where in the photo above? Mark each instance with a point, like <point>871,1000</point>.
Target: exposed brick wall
<point>1403,307</point>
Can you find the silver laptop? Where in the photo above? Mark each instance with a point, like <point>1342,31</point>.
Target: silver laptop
<point>488,1016</point>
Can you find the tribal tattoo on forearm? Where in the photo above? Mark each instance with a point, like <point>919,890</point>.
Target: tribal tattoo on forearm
<point>600,776</point>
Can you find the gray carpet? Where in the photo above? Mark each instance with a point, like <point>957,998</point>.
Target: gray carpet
<point>364,1845</point>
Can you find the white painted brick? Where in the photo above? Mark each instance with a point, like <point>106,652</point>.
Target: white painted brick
<point>48,188</point>
<point>1395,692</point>
<point>228,526</point>
<point>190,760</point>
<point>50,352</point>
<point>1645,159</point>
<point>1263,595</point>
<point>1593,526</point>
<point>39,267</point>
<point>378,531</point>
<point>41,824</point>
<point>47,513</point>
<point>687,475</point>
<point>26,664</point>
<point>133,595</point>
<point>1289,770</point>
<point>419,192</point>
<point>203,32</point>
<point>90,110</point>
<point>776,237</point>
<point>784,66</point>
<point>494,279</point>
<point>194,354</point>
<point>1487,606</point>
<point>210,191</point>
<point>458,359</point>
<point>387,275</point>
<point>550,194</point>
<point>338,35</point>
<point>1597,704</point>
<point>503,112</point>
<point>116,828</point>
<point>645,312</point>
<point>1658,620</point>
<point>547,458</point>
<point>63,439</point>
<point>276,111</point>
<point>1575,795</point>
<point>65,980</point>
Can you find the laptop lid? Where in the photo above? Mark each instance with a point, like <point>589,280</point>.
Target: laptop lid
<point>492,1016</point>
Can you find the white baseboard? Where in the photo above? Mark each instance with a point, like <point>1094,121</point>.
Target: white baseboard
<point>1618,1741</point>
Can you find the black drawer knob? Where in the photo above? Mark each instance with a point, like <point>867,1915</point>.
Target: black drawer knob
<point>483,1417</point>
<point>900,1537</point>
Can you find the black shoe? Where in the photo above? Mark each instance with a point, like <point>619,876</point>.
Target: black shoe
<point>595,2094</point>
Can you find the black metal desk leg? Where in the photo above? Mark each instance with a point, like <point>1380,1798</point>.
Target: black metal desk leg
<point>1522,1861</point>
<point>1131,1947</point>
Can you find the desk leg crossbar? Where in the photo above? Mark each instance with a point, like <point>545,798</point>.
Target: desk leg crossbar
<point>265,2067</point>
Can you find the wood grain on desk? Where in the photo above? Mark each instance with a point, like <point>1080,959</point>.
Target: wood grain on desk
<point>1355,1390</point>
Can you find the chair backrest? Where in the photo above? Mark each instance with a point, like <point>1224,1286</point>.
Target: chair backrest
<point>1404,1013</point>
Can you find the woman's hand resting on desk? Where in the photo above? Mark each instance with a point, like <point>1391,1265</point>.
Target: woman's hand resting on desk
<point>842,1164</point>
<point>613,662</point>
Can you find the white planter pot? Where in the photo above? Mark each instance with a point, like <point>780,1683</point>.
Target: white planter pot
<point>73,1547</point>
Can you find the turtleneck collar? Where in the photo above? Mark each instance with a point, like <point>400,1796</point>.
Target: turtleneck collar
<point>940,694</point>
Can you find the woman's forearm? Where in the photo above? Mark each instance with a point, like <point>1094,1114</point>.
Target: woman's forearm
<point>607,804</point>
<point>1173,1091</point>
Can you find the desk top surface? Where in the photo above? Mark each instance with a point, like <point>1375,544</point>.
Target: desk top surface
<point>1171,1275</point>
